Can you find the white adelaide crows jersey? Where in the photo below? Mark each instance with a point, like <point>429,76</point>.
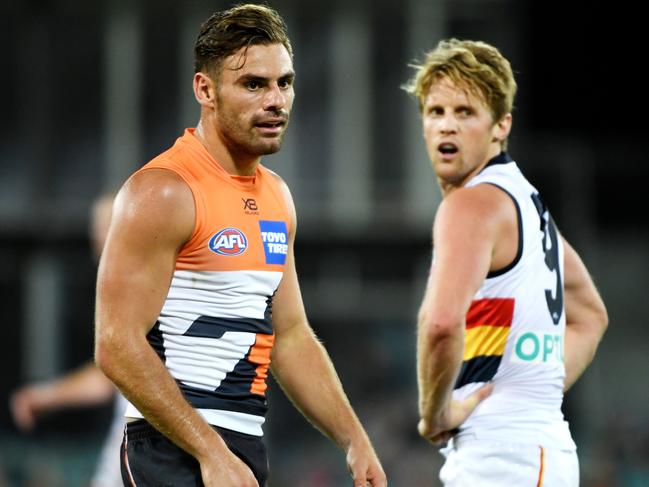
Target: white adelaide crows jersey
<point>215,333</point>
<point>515,328</point>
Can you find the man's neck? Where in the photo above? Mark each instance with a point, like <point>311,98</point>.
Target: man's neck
<point>447,187</point>
<point>233,163</point>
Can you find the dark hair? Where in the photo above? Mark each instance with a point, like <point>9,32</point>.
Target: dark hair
<point>225,32</point>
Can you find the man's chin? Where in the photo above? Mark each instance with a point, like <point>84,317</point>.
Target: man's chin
<point>269,147</point>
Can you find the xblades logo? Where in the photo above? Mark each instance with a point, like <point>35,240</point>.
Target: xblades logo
<point>250,206</point>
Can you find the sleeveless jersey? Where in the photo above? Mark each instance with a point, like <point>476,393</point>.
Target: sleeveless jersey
<point>515,328</point>
<point>214,332</point>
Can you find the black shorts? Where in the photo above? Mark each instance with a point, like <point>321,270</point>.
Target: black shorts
<point>155,461</point>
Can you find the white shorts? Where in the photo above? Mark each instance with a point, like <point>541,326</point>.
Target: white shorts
<point>107,472</point>
<point>485,463</point>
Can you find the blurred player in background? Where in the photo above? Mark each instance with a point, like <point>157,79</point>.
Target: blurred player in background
<point>86,386</point>
<point>197,288</point>
<point>510,318</point>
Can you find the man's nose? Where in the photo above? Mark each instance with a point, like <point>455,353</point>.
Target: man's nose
<point>447,123</point>
<point>274,99</point>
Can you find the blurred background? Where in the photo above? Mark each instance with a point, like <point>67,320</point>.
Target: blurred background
<point>92,90</point>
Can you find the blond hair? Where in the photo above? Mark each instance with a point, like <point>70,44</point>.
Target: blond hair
<point>474,65</point>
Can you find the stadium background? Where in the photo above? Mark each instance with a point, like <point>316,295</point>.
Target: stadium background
<point>91,90</point>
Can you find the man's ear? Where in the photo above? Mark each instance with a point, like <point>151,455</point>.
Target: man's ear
<point>502,128</point>
<point>204,90</point>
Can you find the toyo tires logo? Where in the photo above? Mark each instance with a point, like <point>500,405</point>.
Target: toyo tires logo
<point>274,236</point>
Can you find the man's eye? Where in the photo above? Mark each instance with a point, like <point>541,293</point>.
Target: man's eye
<point>253,85</point>
<point>285,83</point>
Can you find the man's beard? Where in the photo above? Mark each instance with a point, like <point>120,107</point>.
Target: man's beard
<point>241,141</point>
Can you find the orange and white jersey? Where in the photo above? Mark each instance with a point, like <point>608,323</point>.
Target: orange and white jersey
<point>214,332</point>
<point>515,328</point>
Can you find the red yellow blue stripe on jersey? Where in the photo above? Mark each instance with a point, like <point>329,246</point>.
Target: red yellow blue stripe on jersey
<point>488,323</point>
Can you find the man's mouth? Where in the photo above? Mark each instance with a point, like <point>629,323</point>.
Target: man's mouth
<point>447,148</point>
<point>271,124</point>
<point>270,128</point>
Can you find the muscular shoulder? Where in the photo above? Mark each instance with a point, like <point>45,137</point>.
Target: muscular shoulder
<point>482,203</point>
<point>156,203</point>
<point>479,216</point>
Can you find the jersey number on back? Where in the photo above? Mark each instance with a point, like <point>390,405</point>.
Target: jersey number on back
<point>553,297</point>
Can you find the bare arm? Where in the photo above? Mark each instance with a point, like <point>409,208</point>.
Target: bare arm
<point>304,370</point>
<point>86,386</point>
<point>472,234</point>
<point>153,217</point>
<point>586,317</point>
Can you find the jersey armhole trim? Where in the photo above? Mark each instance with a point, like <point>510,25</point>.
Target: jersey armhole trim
<point>519,250</point>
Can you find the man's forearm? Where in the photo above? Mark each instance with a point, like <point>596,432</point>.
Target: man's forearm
<point>581,343</point>
<point>303,369</point>
<point>439,356</point>
<point>139,373</point>
<point>86,385</point>
<point>586,317</point>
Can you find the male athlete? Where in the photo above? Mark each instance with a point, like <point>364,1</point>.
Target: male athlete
<point>510,318</point>
<point>197,291</point>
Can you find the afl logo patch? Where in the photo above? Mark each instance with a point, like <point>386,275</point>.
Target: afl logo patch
<point>229,241</point>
